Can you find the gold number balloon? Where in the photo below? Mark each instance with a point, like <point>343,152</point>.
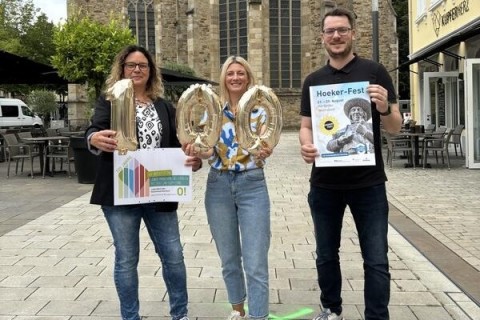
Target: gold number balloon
<point>253,136</point>
<point>123,115</point>
<point>199,117</point>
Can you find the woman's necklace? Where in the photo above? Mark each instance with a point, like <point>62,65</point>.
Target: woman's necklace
<point>142,102</point>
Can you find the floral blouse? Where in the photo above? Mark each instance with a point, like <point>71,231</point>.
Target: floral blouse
<point>149,126</point>
<point>228,155</point>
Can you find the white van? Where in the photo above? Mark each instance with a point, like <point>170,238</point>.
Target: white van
<point>15,113</point>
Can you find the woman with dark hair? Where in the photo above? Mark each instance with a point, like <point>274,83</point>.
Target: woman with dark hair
<point>155,121</point>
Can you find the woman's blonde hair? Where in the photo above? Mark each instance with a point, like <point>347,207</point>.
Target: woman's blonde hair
<point>224,94</point>
<point>154,84</point>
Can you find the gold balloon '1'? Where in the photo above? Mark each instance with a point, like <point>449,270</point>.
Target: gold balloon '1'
<point>123,114</point>
<point>199,117</point>
<point>268,134</point>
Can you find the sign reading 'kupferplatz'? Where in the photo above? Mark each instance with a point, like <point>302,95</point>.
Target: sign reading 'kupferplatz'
<point>451,15</point>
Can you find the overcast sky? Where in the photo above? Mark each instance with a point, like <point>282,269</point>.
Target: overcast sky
<point>55,10</point>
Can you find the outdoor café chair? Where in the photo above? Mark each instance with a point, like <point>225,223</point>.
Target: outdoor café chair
<point>16,151</point>
<point>437,144</point>
<point>457,139</point>
<point>58,150</point>
<point>398,144</point>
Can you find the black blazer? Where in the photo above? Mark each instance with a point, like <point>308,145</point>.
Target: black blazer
<point>103,189</point>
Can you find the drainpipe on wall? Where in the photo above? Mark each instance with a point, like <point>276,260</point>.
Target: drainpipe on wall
<point>375,49</point>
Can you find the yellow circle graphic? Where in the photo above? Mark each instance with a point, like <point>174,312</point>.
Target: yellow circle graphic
<point>328,125</point>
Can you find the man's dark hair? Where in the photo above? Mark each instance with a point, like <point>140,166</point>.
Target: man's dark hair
<point>340,12</point>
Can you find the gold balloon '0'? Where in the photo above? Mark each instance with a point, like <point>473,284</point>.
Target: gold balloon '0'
<point>199,117</point>
<point>268,135</point>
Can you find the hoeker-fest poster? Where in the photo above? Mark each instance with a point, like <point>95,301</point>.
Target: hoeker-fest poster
<point>342,124</point>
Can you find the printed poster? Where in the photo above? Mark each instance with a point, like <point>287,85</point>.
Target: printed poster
<point>342,125</point>
<point>151,175</point>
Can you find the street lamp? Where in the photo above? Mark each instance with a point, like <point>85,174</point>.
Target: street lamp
<point>375,37</point>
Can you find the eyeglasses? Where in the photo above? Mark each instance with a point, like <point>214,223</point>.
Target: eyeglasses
<point>342,31</point>
<point>132,65</point>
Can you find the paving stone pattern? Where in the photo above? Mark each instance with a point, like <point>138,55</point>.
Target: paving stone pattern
<point>56,254</point>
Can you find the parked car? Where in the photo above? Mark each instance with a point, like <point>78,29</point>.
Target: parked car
<point>15,113</point>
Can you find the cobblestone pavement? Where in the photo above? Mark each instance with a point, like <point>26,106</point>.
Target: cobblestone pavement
<point>56,255</point>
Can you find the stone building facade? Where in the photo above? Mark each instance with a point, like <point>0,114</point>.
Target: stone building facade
<point>190,32</point>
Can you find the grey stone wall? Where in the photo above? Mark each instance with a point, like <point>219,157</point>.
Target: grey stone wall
<point>181,33</point>
<point>290,101</point>
<point>257,33</point>
<point>100,10</point>
<point>166,16</point>
<point>199,37</point>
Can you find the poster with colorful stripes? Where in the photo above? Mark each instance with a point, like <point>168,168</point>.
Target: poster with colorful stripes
<point>151,175</point>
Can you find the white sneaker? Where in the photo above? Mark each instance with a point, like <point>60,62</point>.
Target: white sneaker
<point>185,318</point>
<point>326,314</point>
<point>235,315</point>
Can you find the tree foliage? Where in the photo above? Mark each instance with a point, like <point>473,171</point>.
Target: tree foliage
<point>37,43</point>
<point>15,17</point>
<point>26,32</point>
<point>85,49</point>
<point>43,102</point>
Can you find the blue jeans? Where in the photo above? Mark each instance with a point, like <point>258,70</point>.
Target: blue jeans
<point>124,223</point>
<point>369,208</point>
<point>238,211</point>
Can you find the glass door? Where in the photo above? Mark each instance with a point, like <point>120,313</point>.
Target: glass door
<point>472,95</point>
<point>441,99</point>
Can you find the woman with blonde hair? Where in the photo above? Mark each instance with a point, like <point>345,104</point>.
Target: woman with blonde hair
<point>237,201</point>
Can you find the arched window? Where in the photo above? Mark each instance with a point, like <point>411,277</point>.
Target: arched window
<point>141,18</point>
<point>285,44</point>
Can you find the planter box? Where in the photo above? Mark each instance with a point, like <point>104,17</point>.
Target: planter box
<point>85,161</point>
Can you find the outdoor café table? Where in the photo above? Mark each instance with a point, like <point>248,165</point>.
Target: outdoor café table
<point>415,140</point>
<point>42,142</point>
<point>73,133</point>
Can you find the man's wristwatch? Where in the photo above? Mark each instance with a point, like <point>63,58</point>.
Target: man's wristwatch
<point>386,113</point>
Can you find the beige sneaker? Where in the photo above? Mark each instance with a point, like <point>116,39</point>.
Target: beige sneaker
<point>235,315</point>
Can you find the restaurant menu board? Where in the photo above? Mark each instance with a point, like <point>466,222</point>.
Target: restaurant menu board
<point>342,125</point>
<point>151,175</point>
